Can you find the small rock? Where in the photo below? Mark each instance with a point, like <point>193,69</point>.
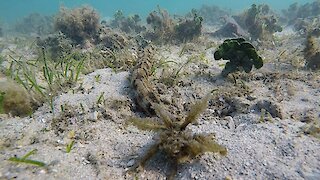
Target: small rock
<point>270,106</point>
<point>231,124</point>
<point>130,163</point>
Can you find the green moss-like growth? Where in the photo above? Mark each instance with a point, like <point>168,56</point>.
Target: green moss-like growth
<point>14,99</point>
<point>241,55</point>
<point>174,140</point>
<point>79,24</point>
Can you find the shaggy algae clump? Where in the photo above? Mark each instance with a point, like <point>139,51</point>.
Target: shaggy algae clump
<point>79,24</point>
<point>14,99</point>
<point>179,144</point>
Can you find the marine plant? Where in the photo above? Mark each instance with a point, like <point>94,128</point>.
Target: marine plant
<point>34,23</point>
<point>169,30</point>
<point>127,24</point>
<point>211,14</point>
<point>259,21</point>
<point>81,24</point>
<point>57,45</point>
<point>312,49</point>
<point>69,146</point>
<point>55,75</point>
<point>24,159</point>
<point>296,12</point>
<point>162,25</point>
<point>241,55</point>
<point>179,144</point>
<point>189,29</point>
<point>14,99</point>
<point>1,102</point>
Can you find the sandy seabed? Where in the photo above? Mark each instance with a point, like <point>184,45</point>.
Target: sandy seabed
<point>268,148</point>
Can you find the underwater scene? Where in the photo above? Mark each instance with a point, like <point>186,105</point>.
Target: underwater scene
<point>207,89</point>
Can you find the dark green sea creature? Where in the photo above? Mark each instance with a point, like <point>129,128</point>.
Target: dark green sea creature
<point>179,144</point>
<point>241,55</point>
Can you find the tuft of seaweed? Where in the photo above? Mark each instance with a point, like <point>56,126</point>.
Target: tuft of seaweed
<point>162,25</point>
<point>129,24</point>
<point>259,21</point>
<point>57,45</point>
<point>14,99</point>
<point>81,25</point>
<point>211,14</point>
<point>174,140</point>
<point>34,23</point>
<point>170,30</point>
<point>312,50</point>
<point>299,15</point>
<point>189,29</point>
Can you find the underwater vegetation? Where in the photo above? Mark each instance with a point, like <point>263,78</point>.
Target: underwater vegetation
<point>35,23</point>
<point>241,55</point>
<point>44,78</point>
<point>129,24</point>
<point>302,17</point>
<point>169,30</point>
<point>14,99</point>
<point>1,32</point>
<point>162,25</point>
<point>174,139</point>
<point>296,12</point>
<point>259,21</point>
<point>312,49</point>
<point>189,29</point>
<point>81,24</point>
<point>211,14</point>
<point>57,45</point>
<point>25,159</point>
<point>112,40</point>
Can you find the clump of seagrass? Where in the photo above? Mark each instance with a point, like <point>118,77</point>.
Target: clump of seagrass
<point>174,140</point>
<point>14,99</point>
<point>79,24</point>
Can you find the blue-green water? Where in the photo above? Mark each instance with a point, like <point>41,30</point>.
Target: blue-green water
<point>11,10</point>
